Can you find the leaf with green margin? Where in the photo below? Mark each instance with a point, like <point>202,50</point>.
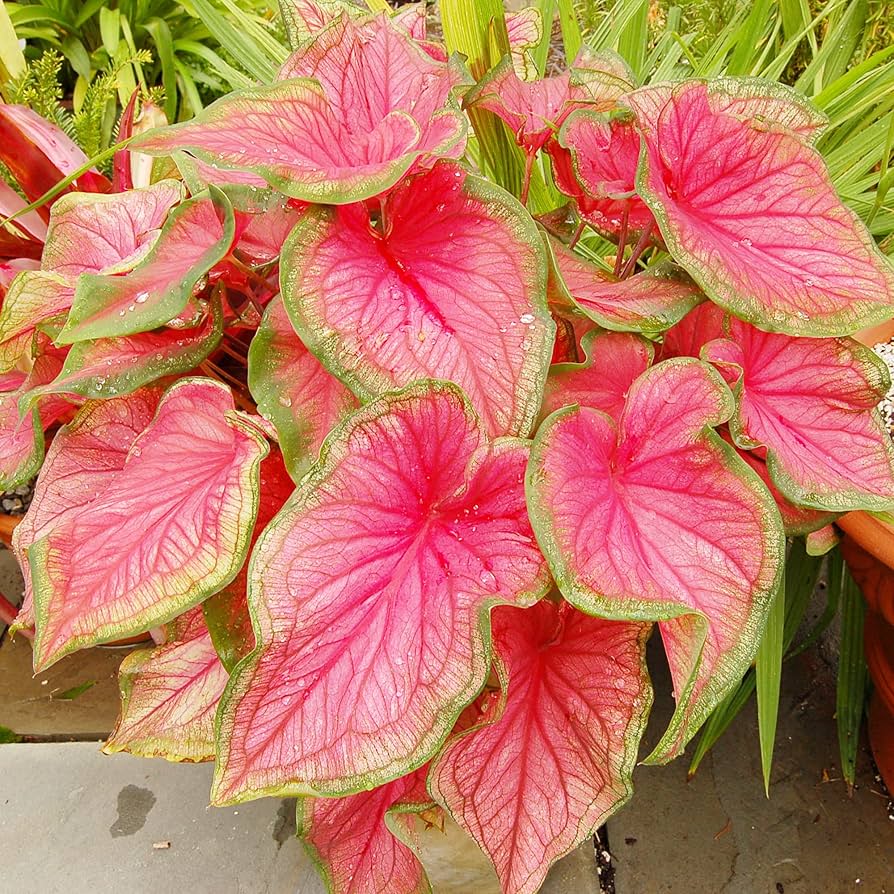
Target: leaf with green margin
<point>107,233</point>
<point>576,700</point>
<point>168,699</point>
<point>370,595</point>
<point>614,361</point>
<point>355,108</point>
<point>454,290</point>
<point>749,210</point>
<point>365,843</point>
<point>85,455</point>
<point>195,237</point>
<point>655,518</point>
<point>648,302</point>
<point>138,555</point>
<point>293,389</point>
<point>812,403</point>
<point>34,296</point>
<point>108,367</point>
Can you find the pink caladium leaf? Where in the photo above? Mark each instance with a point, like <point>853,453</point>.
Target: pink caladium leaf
<point>294,390</point>
<point>614,361</point>
<point>135,557</point>
<point>796,520</point>
<point>107,367</point>
<point>85,456</point>
<point>535,110</point>
<point>365,843</point>
<point>21,435</point>
<point>687,338</point>
<point>169,696</point>
<point>751,213</point>
<point>93,233</point>
<point>350,607</point>
<point>226,612</point>
<point>595,162</point>
<point>355,108</point>
<point>812,403</point>
<point>195,237</point>
<point>551,761</point>
<point>263,238</point>
<point>453,289</point>
<point>38,154</point>
<point>656,518</point>
<point>648,302</point>
<point>34,297</point>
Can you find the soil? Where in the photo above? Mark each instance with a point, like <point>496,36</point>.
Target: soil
<point>17,500</point>
<point>605,867</point>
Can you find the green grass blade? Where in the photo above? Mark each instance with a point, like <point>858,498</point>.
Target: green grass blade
<point>540,53</point>
<point>634,39</point>
<point>720,719</point>
<point>768,673</point>
<point>571,35</point>
<point>852,674</point>
<point>801,575</point>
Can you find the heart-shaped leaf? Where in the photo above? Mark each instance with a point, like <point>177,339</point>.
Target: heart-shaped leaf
<point>614,361</point>
<point>168,699</point>
<point>551,761</point>
<point>355,108</point>
<point>370,595</point>
<point>649,302</point>
<point>452,289</point>
<point>171,528</point>
<point>364,843</point>
<point>812,403</point>
<point>751,213</point>
<point>656,518</point>
<point>196,235</point>
<point>293,389</point>
<point>95,233</point>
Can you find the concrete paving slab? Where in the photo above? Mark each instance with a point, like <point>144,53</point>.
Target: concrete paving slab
<point>719,834</point>
<point>75,821</point>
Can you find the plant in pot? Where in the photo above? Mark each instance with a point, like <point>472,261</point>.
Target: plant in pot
<point>407,477</point>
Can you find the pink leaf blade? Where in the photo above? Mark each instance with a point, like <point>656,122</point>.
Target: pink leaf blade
<point>765,234</point>
<point>195,237</point>
<point>168,699</point>
<point>294,390</point>
<point>96,233</point>
<point>620,511</point>
<point>143,558</point>
<point>343,630</point>
<point>381,313</point>
<point>549,764</point>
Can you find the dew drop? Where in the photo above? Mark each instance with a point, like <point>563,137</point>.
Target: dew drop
<point>488,580</point>
<point>142,298</point>
<point>285,400</point>
<point>527,319</point>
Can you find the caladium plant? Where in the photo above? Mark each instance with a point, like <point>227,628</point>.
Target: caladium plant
<point>400,477</point>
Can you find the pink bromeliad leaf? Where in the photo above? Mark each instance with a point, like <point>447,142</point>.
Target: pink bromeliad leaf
<point>365,843</point>
<point>649,302</point>
<point>796,520</point>
<point>34,297</point>
<point>595,162</point>
<point>195,237</point>
<point>355,108</point>
<point>21,435</point>
<point>293,389</point>
<point>453,289</point>
<point>85,456</point>
<point>134,558</point>
<point>226,612</point>
<point>370,594</point>
<point>656,518</point>
<point>535,110</point>
<point>812,403</point>
<point>751,213</point>
<point>614,360</point>
<point>547,765</point>
<point>168,699</point>
<point>112,366</point>
<point>91,233</point>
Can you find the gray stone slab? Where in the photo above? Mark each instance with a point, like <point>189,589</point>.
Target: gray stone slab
<point>75,821</point>
<point>719,834</point>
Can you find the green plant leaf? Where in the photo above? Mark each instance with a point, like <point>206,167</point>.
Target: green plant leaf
<point>768,673</point>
